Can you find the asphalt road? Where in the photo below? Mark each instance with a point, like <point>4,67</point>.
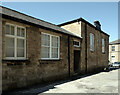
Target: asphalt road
<point>104,82</point>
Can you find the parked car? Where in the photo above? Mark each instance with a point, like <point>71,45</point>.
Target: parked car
<point>110,64</point>
<point>116,64</point>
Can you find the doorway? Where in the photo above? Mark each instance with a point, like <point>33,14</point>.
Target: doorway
<point>76,61</point>
<point>113,59</point>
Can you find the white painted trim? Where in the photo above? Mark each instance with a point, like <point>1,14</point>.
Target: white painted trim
<point>13,58</point>
<point>80,30</point>
<point>77,45</point>
<point>15,42</point>
<point>112,48</point>
<point>49,34</point>
<point>50,57</point>
<point>59,47</point>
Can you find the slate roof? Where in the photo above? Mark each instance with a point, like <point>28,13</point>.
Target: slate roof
<point>81,19</point>
<point>115,42</point>
<point>12,13</point>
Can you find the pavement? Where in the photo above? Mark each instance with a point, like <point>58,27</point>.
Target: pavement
<point>103,82</point>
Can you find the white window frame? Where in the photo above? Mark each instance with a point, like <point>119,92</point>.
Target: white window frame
<point>92,39</point>
<point>15,42</point>
<point>112,48</point>
<point>103,45</point>
<point>76,45</point>
<point>50,51</point>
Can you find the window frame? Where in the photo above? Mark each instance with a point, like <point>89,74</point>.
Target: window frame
<point>112,48</point>
<point>76,45</point>
<point>50,51</point>
<point>15,37</point>
<point>103,45</point>
<point>92,48</point>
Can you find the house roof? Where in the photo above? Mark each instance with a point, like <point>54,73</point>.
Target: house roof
<point>115,42</point>
<point>81,19</point>
<point>23,17</point>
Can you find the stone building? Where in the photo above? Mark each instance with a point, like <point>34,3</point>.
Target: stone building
<point>114,51</point>
<point>35,51</point>
<point>95,44</point>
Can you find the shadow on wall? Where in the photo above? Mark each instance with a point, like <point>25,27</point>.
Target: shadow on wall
<point>37,89</point>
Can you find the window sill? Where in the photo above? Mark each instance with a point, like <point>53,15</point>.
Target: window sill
<point>92,51</point>
<point>103,52</point>
<point>15,59</point>
<point>49,59</point>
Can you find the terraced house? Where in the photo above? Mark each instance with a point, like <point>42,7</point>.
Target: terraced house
<point>35,51</point>
<point>114,51</point>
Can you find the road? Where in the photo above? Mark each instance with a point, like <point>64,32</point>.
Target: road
<point>104,82</point>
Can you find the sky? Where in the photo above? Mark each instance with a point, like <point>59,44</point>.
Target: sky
<point>60,12</point>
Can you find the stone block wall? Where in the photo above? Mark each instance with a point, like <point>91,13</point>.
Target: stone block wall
<point>33,70</point>
<point>95,60</point>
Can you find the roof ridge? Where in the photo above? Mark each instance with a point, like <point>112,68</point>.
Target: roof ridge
<point>115,41</point>
<point>81,19</point>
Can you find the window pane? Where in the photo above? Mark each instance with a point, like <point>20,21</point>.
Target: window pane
<point>12,30</point>
<point>103,49</point>
<point>54,52</point>
<point>9,47</point>
<point>45,40</point>
<point>20,43</point>
<point>45,52</point>
<point>9,52</point>
<point>9,42</point>
<point>22,32</point>
<point>7,29</point>
<point>90,41</point>
<point>113,48</point>
<point>75,43</point>
<point>18,31</point>
<point>102,41</point>
<point>20,47</point>
<point>54,41</point>
<point>20,52</point>
<point>103,45</point>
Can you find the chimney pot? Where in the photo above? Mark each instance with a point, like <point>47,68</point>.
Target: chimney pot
<point>97,25</point>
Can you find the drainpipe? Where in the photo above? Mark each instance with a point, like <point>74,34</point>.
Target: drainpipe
<point>85,48</point>
<point>68,55</point>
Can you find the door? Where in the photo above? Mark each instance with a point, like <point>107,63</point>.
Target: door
<point>76,61</point>
<point>113,59</point>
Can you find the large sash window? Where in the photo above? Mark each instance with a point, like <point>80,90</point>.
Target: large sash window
<point>50,46</point>
<point>15,42</point>
<point>91,42</point>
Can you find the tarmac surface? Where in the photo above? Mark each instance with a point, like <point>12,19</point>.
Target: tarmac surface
<point>102,82</point>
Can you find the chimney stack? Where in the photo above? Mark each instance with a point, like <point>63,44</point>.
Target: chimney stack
<point>97,25</point>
